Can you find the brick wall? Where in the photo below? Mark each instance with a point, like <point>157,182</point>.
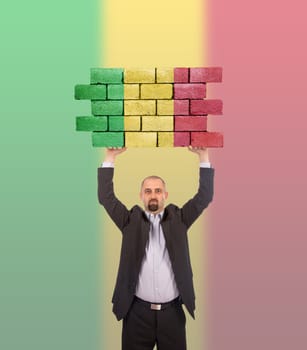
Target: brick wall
<point>157,107</point>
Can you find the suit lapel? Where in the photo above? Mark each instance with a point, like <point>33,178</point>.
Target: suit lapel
<point>166,227</point>
<point>144,234</point>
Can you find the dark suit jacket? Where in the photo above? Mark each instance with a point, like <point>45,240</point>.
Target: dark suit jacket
<point>134,226</point>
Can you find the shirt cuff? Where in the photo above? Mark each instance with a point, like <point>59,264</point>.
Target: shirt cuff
<point>205,165</point>
<point>107,165</point>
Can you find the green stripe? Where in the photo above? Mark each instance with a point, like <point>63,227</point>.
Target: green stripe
<point>50,241</point>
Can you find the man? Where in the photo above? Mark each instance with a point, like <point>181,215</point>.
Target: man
<point>155,275</point>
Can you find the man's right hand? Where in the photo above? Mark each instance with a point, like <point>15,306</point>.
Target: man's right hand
<point>112,153</point>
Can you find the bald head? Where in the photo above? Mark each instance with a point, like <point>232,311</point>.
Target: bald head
<point>153,177</point>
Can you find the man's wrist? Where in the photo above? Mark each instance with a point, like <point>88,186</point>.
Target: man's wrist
<point>204,158</point>
<point>109,158</point>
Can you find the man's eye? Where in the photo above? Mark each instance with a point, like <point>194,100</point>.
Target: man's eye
<point>158,190</point>
<point>147,191</point>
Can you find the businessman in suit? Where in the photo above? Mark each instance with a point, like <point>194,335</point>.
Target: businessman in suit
<point>154,275</point>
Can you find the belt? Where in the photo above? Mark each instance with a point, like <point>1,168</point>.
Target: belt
<point>156,306</point>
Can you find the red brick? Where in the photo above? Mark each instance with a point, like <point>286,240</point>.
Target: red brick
<point>181,139</point>
<point>181,75</point>
<point>181,107</point>
<point>206,75</point>
<point>204,107</point>
<point>191,91</point>
<point>207,139</point>
<point>188,123</point>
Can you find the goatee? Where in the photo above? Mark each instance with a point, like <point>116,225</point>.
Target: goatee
<point>153,206</point>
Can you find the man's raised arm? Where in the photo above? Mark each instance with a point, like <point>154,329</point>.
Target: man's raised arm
<point>195,206</point>
<point>106,196</point>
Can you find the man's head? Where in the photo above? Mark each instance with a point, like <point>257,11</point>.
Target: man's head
<point>153,194</point>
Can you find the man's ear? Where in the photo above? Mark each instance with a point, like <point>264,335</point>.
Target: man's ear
<point>166,195</point>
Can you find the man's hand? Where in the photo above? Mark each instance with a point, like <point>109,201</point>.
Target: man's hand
<point>202,152</point>
<point>112,153</point>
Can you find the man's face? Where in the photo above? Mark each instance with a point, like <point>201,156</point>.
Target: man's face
<point>153,195</point>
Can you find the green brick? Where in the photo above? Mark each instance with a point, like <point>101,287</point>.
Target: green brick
<point>115,91</point>
<point>90,92</point>
<point>116,123</point>
<point>108,139</point>
<point>91,123</point>
<point>106,75</point>
<point>107,107</point>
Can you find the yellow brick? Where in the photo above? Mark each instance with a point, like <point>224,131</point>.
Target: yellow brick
<point>165,75</point>
<point>156,91</point>
<point>132,123</point>
<point>140,75</point>
<point>140,139</point>
<point>139,107</point>
<point>131,91</point>
<point>165,139</point>
<point>165,107</point>
<point>157,123</point>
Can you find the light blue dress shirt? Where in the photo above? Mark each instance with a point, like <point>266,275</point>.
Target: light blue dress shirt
<point>156,282</point>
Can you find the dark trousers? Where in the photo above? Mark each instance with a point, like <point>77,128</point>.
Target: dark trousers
<point>143,327</point>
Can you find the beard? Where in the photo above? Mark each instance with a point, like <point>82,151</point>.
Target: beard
<point>153,205</point>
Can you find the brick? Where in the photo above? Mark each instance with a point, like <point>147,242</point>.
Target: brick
<point>115,91</point>
<point>158,123</point>
<point>108,139</point>
<point>189,123</point>
<point>107,107</point>
<point>156,91</point>
<point>140,107</point>
<point>181,107</point>
<point>132,123</point>
<point>165,139</point>
<point>91,123</point>
<point>181,139</point>
<point>106,75</point>
<point>165,107</point>
<point>90,92</point>
<point>140,139</point>
<point>189,91</point>
<point>207,139</point>
<point>206,75</point>
<point>116,123</point>
<point>140,75</point>
<point>181,75</point>
<point>131,91</point>
<point>204,107</point>
<point>165,75</point>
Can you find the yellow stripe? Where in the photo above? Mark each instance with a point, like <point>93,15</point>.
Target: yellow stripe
<point>157,33</point>
<point>154,34</point>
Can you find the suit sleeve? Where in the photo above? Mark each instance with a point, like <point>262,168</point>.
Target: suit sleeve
<point>195,206</point>
<point>106,196</point>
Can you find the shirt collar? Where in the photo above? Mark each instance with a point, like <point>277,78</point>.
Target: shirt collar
<point>160,215</point>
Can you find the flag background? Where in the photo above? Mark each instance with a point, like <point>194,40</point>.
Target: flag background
<point>56,243</point>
